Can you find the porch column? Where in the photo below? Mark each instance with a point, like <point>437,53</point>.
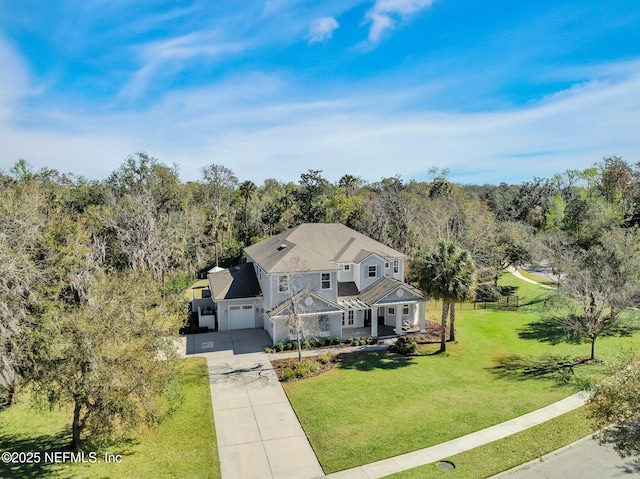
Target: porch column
<point>398,319</point>
<point>421,316</point>
<point>374,322</point>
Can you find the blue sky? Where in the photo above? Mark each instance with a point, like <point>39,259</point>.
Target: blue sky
<point>493,91</point>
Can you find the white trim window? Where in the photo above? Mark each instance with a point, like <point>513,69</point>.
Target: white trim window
<point>405,309</point>
<point>325,279</point>
<point>283,283</point>
<point>351,317</point>
<point>373,271</point>
<point>347,267</point>
<point>396,265</point>
<point>391,311</point>
<point>324,325</point>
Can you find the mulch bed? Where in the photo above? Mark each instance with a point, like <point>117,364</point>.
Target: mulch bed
<point>282,365</point>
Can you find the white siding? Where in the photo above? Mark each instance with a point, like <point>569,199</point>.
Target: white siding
<point>298,282</point>
<point>223,311</point>
<point>365,279</point>
<point>346,276</point>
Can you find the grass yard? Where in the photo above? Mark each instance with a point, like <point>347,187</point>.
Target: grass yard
<point>196,289</point>
<point>502,455</point>
<point>376,405</point>
<point>182,446</point>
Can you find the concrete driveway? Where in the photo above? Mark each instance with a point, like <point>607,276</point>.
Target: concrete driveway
<point>259,435</point>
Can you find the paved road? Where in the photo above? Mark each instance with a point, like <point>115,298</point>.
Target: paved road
<point>585,459</point>
<point>543,271</point>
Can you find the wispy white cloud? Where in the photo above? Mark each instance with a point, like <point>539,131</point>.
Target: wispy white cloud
<point>168,56</point>
<point>385,14</point>
<point>13,78</point>
<point>254,127</point>
<point>322,29</point>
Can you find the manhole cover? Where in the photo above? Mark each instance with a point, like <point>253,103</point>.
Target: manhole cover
<point>446,466</point>
<point>207,345</point>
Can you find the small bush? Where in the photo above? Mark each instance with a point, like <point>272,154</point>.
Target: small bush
<point>288,346</point>
<point>306,345</point>
<point>294,345</point>
<point>269,350</point>
<point>304,368</point>
<point>325,358</point>
<point>288,375</point>
<point>279,347</point>
<point>405,346</point>
<point>337,340</point>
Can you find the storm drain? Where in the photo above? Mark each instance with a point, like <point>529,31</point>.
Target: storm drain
<point>446,466</point>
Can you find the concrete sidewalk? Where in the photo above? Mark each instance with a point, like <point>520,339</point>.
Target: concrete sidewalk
<point>259,435</point>
<point>431,454</point>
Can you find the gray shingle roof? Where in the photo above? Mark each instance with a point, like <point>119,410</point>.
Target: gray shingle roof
<point>316,247</point>
<point>234,283</point>
<point>383,287</point>
<point>331,306</point>
<point>347,289</point>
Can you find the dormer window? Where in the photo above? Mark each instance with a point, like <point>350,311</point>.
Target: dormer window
<point>326,280</point>
<point>347,267</point>
<point>396,266</point>
<point>373,271</point>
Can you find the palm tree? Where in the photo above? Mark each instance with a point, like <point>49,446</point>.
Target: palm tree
<point>448,274</point>
<point>350,183</point>
<point>247,189</point>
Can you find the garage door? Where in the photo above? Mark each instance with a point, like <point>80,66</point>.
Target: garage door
<point>242,317</point>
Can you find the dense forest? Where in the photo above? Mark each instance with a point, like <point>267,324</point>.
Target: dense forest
<point>71,246</point>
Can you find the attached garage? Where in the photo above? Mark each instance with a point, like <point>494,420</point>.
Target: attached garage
<point>235,294</point>
<point>242,317</point>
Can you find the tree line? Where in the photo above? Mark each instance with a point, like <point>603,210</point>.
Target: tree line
<point>89,267</point>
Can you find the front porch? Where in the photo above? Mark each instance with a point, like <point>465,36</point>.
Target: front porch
<point>383,331</point>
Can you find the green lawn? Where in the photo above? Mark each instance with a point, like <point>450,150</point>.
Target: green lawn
<point>498,456</point>
<point>377,405</point>
<point>182,446</point>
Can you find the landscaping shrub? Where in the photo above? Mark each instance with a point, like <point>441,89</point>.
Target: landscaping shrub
<point>279,347</point>
<point>288,346</point>
<point>288,375</point>
<point>327,341</point>
<point>304,368</point>
<point>306,345</point>
<point>269,350</point>
<point>325,358</point>
<point>337,340</point>
<point>404,345</point>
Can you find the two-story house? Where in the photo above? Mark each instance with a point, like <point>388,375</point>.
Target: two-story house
<point>333,276</point>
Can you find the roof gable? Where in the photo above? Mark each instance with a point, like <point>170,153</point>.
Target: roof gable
<point>382,291</point>
<point>318,304</point>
